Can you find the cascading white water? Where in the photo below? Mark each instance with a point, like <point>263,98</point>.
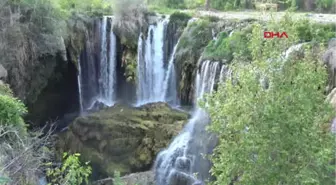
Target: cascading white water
<point>103,83</point>
<point>107,78</point>
<point>79,81</point>
<point>183,157</point>
<point>112,68</point>
<point>169,85</point>
<point>97,79</point>
<point>151,72</point>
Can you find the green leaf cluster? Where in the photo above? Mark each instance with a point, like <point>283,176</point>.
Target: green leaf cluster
<point>225,47</point>
<point>11,112</point>
<point>71,172</point>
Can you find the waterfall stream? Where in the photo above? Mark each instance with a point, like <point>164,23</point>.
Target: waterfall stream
<point>184,157</point>
<point>170,84</point>
<point>155,83</point>
<point>97,79</point>
<point>151,72</point>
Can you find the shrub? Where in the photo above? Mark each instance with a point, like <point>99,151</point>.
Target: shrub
<point>273,134</point>
<point>71,172</point>
<point>11,110</point>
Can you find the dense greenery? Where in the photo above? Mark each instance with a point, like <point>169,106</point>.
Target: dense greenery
<point>11,110</point>
<point>23,153</point>
<point>71,172</point>
<point>272,117</point>
<point>225,47</point>
<point>301,5</point>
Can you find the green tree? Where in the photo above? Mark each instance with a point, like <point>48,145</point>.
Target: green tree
<point>274,135</point>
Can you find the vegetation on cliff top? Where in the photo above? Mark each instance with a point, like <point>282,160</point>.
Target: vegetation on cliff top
<point>301,5</point>
<point>281,130</point>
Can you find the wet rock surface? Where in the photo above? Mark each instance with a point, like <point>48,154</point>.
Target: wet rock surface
<point>122,138</point>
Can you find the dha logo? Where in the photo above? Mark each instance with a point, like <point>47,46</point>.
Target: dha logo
<point>270,35</point>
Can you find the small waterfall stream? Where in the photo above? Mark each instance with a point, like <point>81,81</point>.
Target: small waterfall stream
<point>151,72</point>
<point>170,84</point>
<point>97,79</point>
<point>184,156</point>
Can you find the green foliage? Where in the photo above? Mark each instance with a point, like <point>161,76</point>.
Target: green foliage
<point>4,180</point>
<point>117,179</point>
<point>5,90</point>
<point>274,134</point>
<point>169,3</point>
<point>179,16</point>
<point>72,171</point>
<point>130,66</point>
<point>11,110</point>
<point>194,3</point>
<point>88,7</point>
<point>196,37</point>
<point>309,31</point>
<point>225,47</point>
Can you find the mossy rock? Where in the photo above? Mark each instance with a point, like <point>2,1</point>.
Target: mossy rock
<point>198,36</point>
<point>122,138</point>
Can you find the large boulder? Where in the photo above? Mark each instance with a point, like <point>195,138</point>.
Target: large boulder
<point>122,138</point>
<point>329,58</point>
<point>3,72</point>
<point>141,178</point>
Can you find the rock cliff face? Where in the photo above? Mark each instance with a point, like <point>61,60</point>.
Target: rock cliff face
<point>42,66</point>
<point>123,138</point>
<point>194,39</point>
<point>329,59</point>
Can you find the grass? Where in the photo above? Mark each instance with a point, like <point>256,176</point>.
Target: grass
<point>162,9</point>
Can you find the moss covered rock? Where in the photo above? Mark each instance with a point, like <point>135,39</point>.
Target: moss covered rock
<point>195,38</point>
<point>122,138</point>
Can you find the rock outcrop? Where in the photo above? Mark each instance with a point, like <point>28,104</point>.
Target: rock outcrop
<point>3,72</point>
<point>193,41</point>
<point>329,59</point>
<point>122,138</point>
<point>143,178</point>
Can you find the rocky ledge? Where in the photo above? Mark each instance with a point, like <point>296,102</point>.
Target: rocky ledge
<point>122,138</point>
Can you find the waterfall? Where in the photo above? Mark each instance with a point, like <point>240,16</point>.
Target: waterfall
<point>177,164</point>
<point>151,71</point>
<point>97,78</point>
<point>79,81</point>
<point>103,82</point>
<point>112,68</point>
<point>170,84</point>
<point>107,78</point>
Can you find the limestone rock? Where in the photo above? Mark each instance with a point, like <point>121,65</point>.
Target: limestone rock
<point>122,138</point>
<point>143,178</point>
<point>3,72</point>
<point>329,59</point>
<point>332,98</point>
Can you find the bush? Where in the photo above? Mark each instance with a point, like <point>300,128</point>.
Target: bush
<point>273,134</point>
<point>11,110</point>
<point>225,47</point>
<point>71,172</point>
<point>22,156</point>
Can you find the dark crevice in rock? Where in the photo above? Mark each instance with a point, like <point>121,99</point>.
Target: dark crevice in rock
<point>58,98</point>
